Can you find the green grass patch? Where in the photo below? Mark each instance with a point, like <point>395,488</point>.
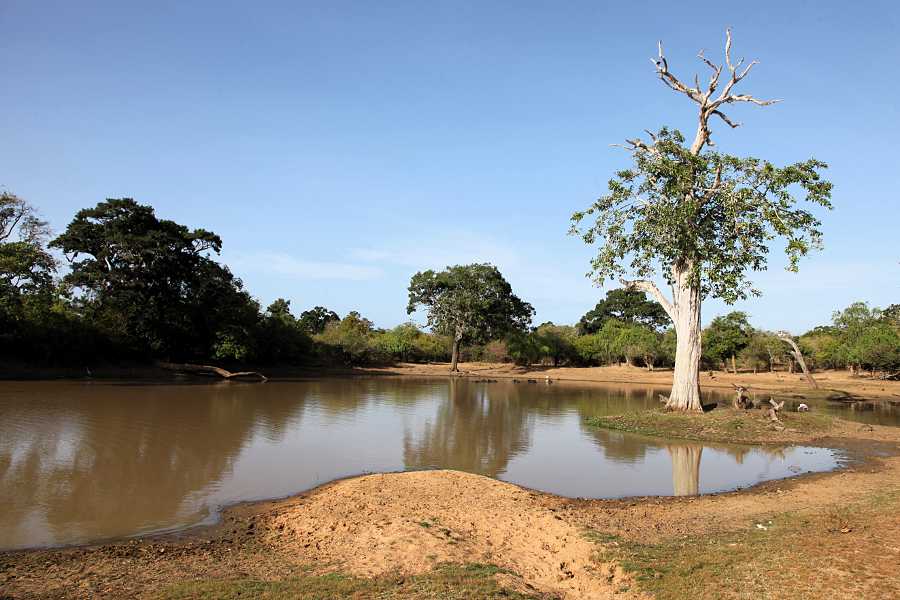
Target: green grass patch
<point>720,425</point>
<point>841,552</point>
<point>448,581</point>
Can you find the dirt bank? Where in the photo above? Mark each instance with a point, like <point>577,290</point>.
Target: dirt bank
<point>832,384</point>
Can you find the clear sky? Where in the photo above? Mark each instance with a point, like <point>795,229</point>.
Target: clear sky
<point>340,147</point>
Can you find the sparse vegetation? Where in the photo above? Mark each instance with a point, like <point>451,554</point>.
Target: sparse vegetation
<point>447,580</point>
<point>839,552</point>
<point>721,425</point>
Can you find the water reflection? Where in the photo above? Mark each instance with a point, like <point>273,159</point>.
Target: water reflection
<point>86,464</point>
<point>477,430</point>
<point>90,460</point>
<point>685,467</point>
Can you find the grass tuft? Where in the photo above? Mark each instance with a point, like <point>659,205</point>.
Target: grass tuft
<point>448,581</point>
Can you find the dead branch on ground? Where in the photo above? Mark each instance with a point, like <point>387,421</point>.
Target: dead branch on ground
<point>182,368</point>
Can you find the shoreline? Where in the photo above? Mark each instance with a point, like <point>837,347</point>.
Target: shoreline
<point>833,385</point>
<point>373,524</point>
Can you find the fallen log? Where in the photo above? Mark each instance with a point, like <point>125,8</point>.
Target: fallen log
<point>180,368</point>
<point>776,408</point>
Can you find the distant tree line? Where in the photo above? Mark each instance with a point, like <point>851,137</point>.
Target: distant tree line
<point>142,288</point>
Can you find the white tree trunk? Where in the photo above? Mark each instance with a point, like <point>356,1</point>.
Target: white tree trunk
<point>685,395</point>
<point>685,314</point>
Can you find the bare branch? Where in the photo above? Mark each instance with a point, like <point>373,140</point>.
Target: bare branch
<point>706,60</point>
<point>714,188</point>
<point>650,287</point>
<point>637,199</point>
<point>724,118</point>
<point>708,106</point>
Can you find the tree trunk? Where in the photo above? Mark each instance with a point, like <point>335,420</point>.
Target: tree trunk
<point>799,356</point>
<point>455,356</point>
<point>733,364</point>
<point>685,314</point>
<point>685,394</point>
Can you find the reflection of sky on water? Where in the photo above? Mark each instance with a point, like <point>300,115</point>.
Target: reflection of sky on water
<point>85,461</point>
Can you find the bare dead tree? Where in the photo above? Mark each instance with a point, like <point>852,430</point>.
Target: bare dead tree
<point>709,105</point>
<point>797,355</point>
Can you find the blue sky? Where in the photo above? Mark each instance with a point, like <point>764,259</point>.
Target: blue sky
<point>338,148</point>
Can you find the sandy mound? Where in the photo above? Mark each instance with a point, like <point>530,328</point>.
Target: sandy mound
<point>409,521</point>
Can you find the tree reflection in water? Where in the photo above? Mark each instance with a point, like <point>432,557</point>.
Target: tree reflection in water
<point>103,458</point>
<point>685,467</point>
<point>478,430</point>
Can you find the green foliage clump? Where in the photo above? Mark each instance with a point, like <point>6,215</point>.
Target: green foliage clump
<point>726,336</point>
<point>151,282</point>
<point>555,343</point>
<point>627,306</point>
<point>618,342</point>
<point>865,338</point>
<point>316,319</point>
<point>472,303</point>
<point>408,343</point>
<point>347,340</point>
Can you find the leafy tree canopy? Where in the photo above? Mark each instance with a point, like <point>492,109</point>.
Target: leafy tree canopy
<point>704,217</point>
<point>714,212</point>
<point>26,268</point>
<point>471,302</point>
<point>280,308</point>
<point>727,335</point>
<point>127,248</point>
<point>151,280</point>
<point>317,318</point>
<point>866,337</point>
<point>627,306</point>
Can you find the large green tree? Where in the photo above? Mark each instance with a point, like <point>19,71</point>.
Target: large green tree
<point>726,336</point>
<point>627,306</point>
<point>315,319</point>
<point>26,268</point>
<point>702,217</point>
<point>471,303</point>
<point>866,338</point>
<point>152,281</point>
<point>283,337</point>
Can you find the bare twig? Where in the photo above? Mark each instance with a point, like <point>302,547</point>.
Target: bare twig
<point>708,105</point>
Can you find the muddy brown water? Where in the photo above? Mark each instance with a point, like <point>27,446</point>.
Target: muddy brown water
<point>82,461</point>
